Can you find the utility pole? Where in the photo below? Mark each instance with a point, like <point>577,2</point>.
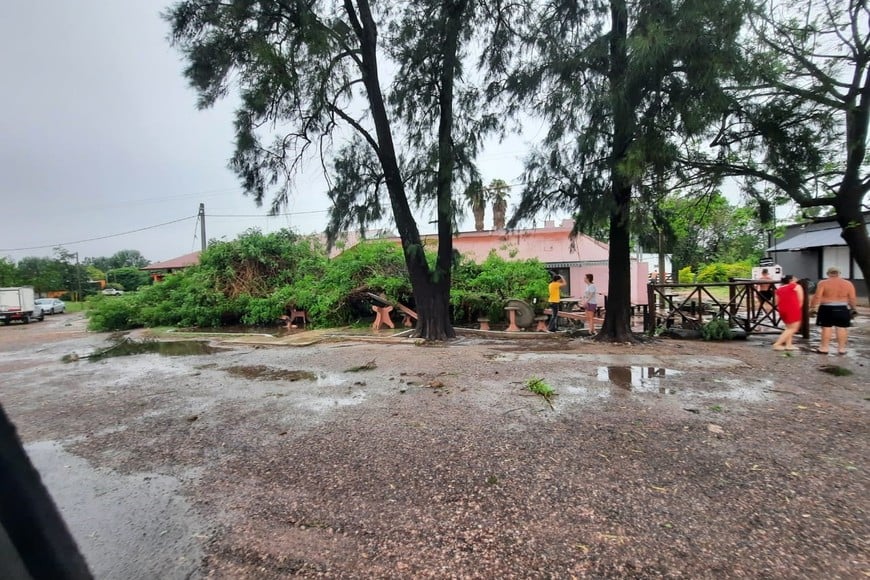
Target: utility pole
<point>78,277</point>
<point>202,224</point>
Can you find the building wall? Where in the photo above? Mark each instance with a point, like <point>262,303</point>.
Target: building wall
<point>601,272</point>
<point>548,244</point>
<point>803,263</point>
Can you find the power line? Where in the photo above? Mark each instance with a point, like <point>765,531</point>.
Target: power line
<point>260,215</point>
<point>97,238</point>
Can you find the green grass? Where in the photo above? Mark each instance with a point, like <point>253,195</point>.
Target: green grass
<point>539,387</point>
<point>76,306</point>
<point>836,370</point>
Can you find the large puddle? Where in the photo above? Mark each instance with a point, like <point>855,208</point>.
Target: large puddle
<point>132,347</point>
<point>664,381</point>
<point>640,379</point>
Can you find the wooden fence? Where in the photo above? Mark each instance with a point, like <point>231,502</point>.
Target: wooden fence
<point>691,306</point>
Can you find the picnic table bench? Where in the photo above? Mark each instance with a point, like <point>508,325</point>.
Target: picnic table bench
<point>382,309</point>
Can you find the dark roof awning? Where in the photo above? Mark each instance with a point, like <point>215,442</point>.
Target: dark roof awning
<point>811,239</point>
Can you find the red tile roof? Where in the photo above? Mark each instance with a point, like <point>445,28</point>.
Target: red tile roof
<point>184,261</point>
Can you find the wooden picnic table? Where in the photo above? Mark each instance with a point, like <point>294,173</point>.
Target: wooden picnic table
<point>382,308</point>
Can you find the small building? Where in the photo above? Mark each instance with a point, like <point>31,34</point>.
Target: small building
<point>808,250</point>
<point>159,270</point>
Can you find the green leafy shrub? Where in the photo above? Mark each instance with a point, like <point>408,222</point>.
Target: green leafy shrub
<point>482,289</point>
<point>245,280</point>
<point>722,272</point>
<point>715,272</point>
<point>117,313</point>
<point>740,269</point>
<point>686,276</point>
<point>335,297</point>
<point>717,329</point>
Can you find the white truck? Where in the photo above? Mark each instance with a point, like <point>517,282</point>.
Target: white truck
<point>18,304</point>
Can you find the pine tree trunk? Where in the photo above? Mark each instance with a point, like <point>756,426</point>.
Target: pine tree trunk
<point>431,287</point>
<point>433,311</point>
<point>617,318</point>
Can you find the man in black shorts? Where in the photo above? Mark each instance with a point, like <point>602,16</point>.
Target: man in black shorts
<point>766,291</point>
<point>836,300</point>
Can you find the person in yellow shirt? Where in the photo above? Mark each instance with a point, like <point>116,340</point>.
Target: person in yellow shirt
<point>555,297</point>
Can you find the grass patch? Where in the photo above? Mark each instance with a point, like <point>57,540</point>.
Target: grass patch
<point>836,370</point>
<point>76,306</point>
<point>540,387</point>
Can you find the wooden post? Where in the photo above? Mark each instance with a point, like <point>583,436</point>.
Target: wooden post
<point>805,310</point>
<point>650,314</point>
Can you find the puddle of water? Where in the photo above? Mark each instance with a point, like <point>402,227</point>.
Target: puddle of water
<point>265,373</point>
<point>130,348</point>
<point>328,404</point>
<point>620,360</point>
<point>639,379</point>
<point>664,381</point>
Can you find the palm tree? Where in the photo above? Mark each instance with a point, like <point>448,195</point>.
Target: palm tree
<point>498,191</point>
<point>476,196</point>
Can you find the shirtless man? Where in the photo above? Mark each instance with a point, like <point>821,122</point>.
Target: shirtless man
<point>835,299</point>
<point>765,291</point>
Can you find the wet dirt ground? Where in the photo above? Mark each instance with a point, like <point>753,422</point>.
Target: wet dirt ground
<point>325,455</point>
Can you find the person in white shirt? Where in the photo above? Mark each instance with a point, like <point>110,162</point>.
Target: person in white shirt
<point>591,303</point>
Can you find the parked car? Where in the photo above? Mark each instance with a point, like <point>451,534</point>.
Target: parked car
<point>112,292</point>
<point>51,305</point>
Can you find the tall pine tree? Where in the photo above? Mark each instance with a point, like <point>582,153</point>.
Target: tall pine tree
<point>622,85</point>
<point>315,73</point>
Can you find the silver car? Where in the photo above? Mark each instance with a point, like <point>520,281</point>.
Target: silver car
<point>51,305</point>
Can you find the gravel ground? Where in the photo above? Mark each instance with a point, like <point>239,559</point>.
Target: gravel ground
<point>379,457</point>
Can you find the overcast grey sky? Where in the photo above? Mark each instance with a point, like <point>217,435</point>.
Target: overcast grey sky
<point>101,136</point>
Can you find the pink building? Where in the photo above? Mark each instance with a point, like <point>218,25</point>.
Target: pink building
<point>552,246</point>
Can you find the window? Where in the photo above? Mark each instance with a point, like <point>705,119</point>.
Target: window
<point>836,256</point>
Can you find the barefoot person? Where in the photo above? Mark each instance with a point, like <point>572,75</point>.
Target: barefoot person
<point>835,299</point>
<point>789,302</point>
<point>766,290</point>
<point>590,301</point>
